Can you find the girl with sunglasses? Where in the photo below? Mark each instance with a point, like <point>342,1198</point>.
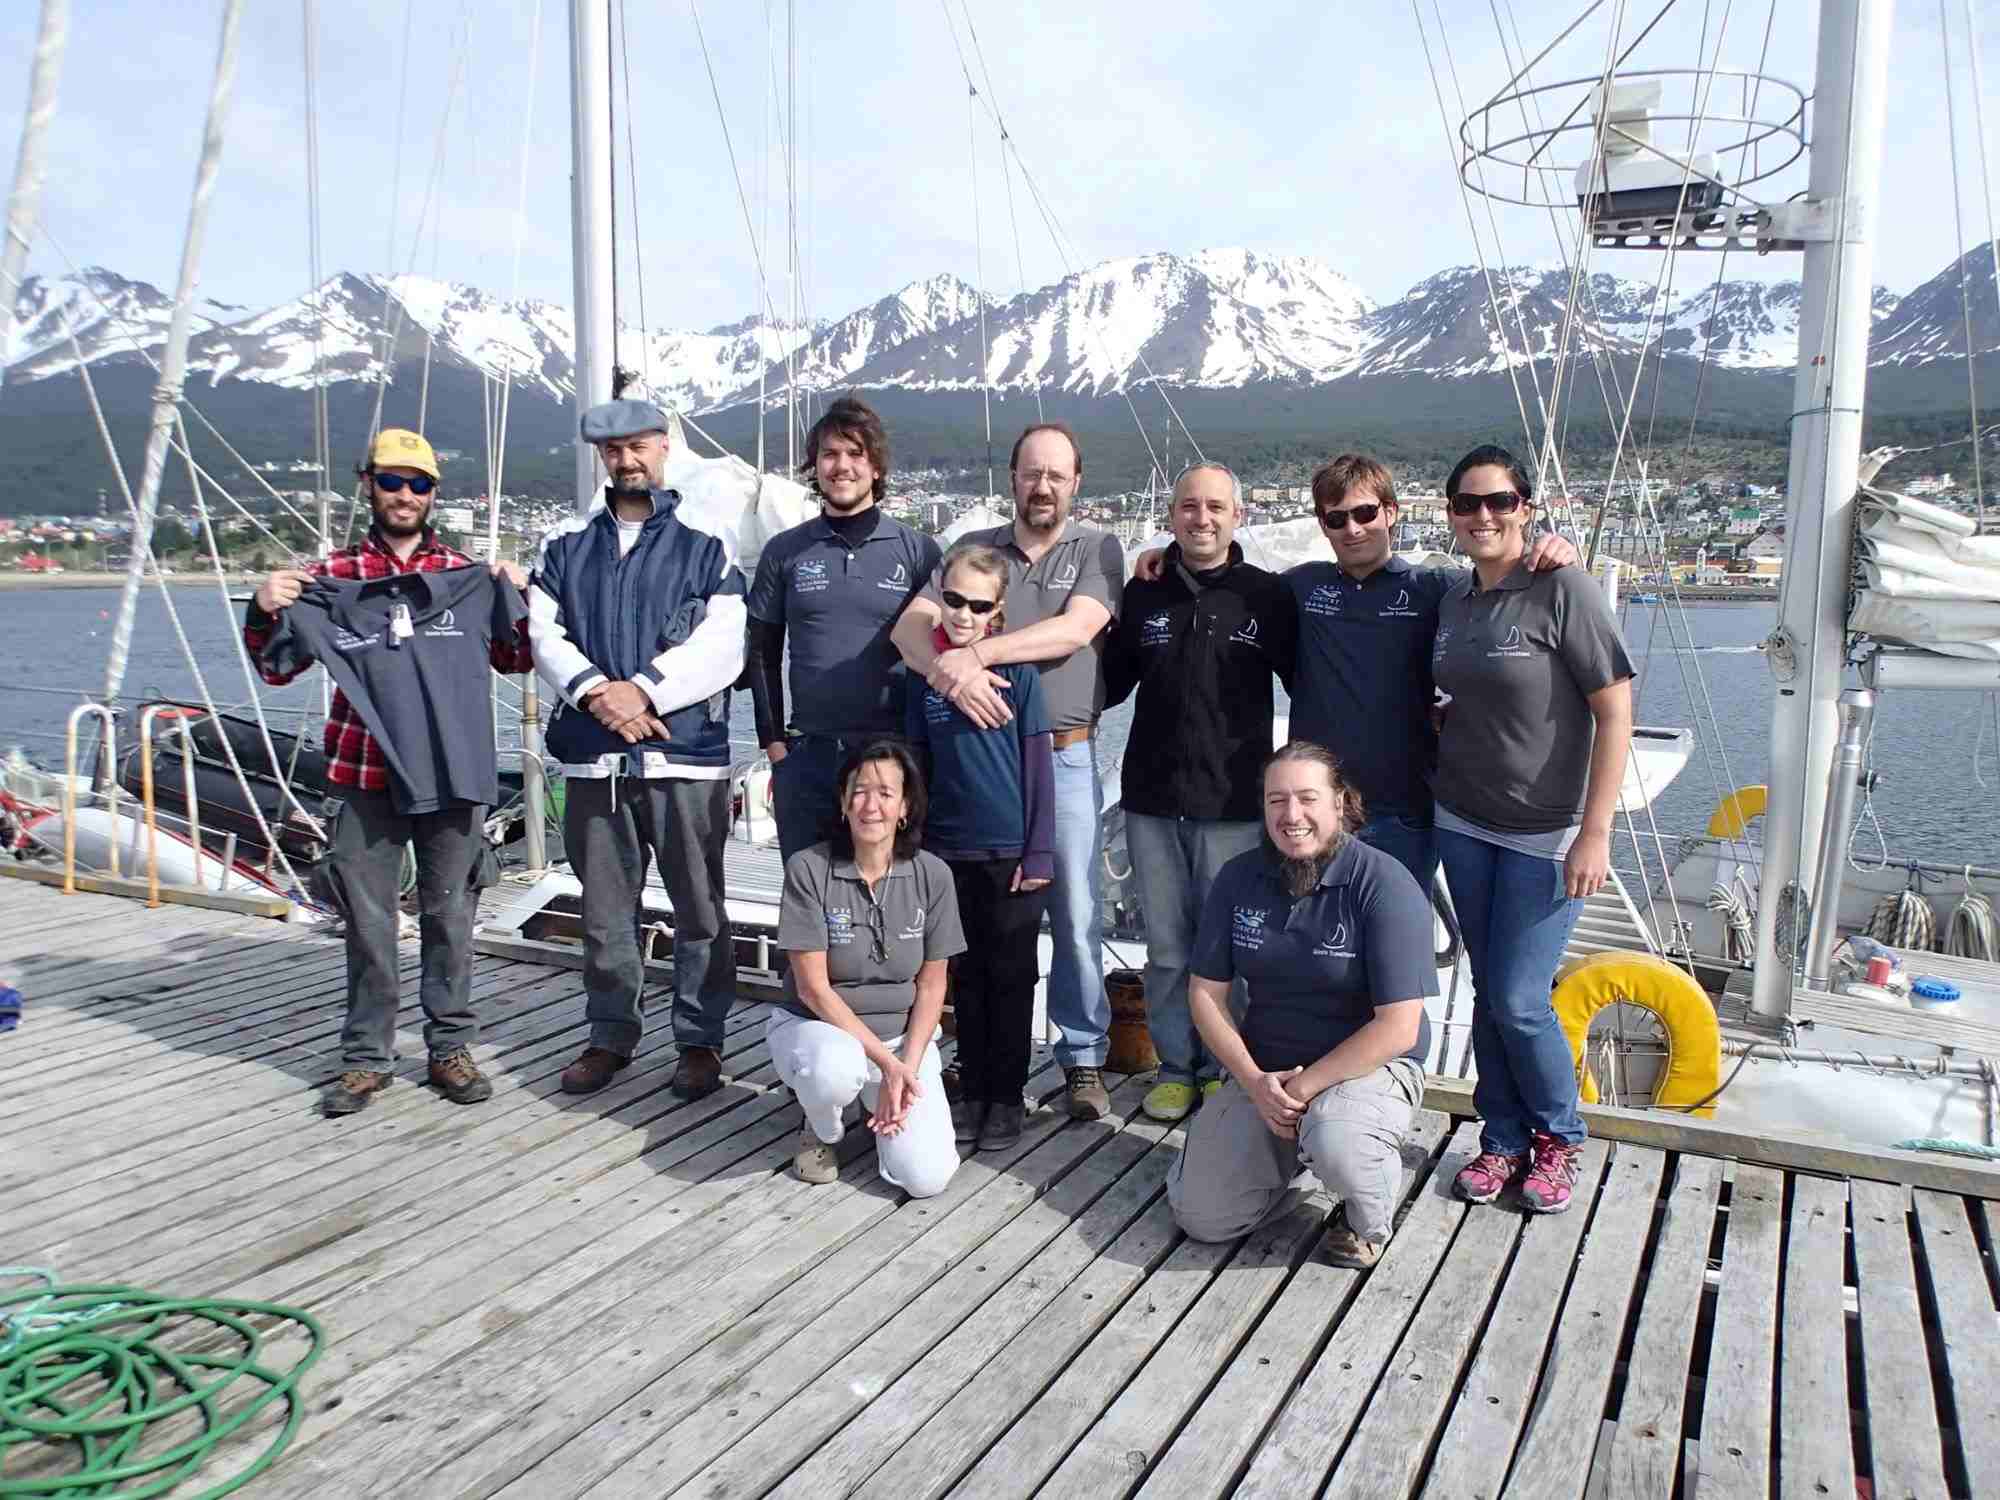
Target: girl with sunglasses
<point>992,821</point>
<point>1530,759</point>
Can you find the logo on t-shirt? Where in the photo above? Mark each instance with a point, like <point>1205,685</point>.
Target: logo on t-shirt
<point>839,927</point>
<point>1156,629</point>
<point>1399,607</point>
<point>896,581</point>
<point>1066,576</point>
<point>1246,633</point>
<point>916,927</point>
<point>1324,600</point>
<point>1335,944</point>
<point>347,640</point>
<point>1511,644</point>
<point>445,623</point>
<point>937,707</point>
<point>1246,927</point>
<point>809,577</point>
<point>1438,645</point>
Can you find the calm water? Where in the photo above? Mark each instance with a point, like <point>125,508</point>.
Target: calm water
<point>1939,798</point>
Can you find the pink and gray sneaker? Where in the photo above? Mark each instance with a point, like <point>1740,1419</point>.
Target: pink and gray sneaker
<point>1551,1175</point>
<point>1486,1176</point>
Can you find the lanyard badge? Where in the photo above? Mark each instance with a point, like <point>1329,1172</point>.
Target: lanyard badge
<point>400,628</point>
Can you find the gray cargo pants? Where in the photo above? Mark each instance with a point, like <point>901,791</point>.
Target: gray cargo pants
<point>367,864</point>
<point>611,827</point>
<point>1233,1173</point>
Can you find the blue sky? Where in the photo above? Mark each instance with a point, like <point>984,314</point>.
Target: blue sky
<point>1306,129</point>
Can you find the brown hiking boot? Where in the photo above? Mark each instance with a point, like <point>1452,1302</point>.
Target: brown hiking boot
<point>698,1074</point>
<point>815,1161</point>
<point>1343,1246</point>
<point>590,1072</point>
<point>455,1075</point>
<point>1085,1094</point>
<point>351,1091</point>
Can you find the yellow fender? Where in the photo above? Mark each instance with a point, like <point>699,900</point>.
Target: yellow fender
<point>1694,1041</point>
<point>1732,815</point>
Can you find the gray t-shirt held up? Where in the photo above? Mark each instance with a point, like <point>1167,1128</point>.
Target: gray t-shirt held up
<point>1520,661</point>
<point>874,941</point>
<point>1085,561</point>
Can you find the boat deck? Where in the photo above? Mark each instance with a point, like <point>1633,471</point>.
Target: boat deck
<point>628,1295</point>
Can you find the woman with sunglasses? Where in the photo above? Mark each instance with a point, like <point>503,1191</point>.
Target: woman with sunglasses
<point>992,821</point>
<point>1530,759</point>
<point>869,922</point>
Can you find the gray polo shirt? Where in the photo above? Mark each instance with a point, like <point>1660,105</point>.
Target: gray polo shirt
<point>874,941</point>
<point>1520,661</point>
<point>838,604</point>
<point>1085,561</point>
<point>1363,685</point>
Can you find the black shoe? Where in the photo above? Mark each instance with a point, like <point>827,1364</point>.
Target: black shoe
<point>699,1073</point>
<point>350,1092</point>
<point>1002,1128</point>
<point>455,1075</point>
<point>968,1116</point>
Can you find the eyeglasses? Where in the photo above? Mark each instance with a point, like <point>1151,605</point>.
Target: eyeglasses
<point>1055,478</point>
<point>1503,503</point>
<point>1360,515</point>
<point>392,484</point>
<point>955,600</point>
<point>878,936</point>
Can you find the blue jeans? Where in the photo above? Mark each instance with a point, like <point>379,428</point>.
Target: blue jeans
<point>1174,862</point>
<point>1411,842</point>
<point>802,787</point>
<point>1078,1006</point>
<point>1515,919</point>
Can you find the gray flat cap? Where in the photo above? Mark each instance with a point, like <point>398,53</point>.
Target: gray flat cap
<point>622,419</point>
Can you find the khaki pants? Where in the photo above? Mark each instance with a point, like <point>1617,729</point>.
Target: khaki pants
<point>1233,1173</point>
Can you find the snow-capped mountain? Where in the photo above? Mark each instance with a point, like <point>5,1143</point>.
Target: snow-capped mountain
<point>1218,319</point>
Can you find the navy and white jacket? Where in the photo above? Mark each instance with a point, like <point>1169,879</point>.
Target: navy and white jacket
<point>667,615</point>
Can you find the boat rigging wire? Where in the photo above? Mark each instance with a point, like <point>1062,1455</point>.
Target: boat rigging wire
<point>1958,229</point>
<point>978,248</point>
<point>322,441</point>
<point>51,38</point>
<point>632,173</point>
<point>1006,177</point>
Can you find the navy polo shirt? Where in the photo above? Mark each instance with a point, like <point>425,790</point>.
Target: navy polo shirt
<point>837,603</point>
<point>1316,969</point>
<point>1363,685</point>
<point>978,797</point>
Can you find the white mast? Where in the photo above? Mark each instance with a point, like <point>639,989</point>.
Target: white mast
<point>21,203</point>
<point>590,222</point>
<point>173,363</point>
<point>1850,99</point>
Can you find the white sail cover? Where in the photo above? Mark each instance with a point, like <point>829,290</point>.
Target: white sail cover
<point>728,498</point>
<point>1925,579</point>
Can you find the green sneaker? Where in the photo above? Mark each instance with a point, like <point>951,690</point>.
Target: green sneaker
<point>1169,1101</point>
<point>1210,1087</point>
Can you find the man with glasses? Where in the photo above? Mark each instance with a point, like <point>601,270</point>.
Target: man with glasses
<point>637,619</point>
<point>400,483</point>
<point>1366,623</point>
<point>1065,583</point>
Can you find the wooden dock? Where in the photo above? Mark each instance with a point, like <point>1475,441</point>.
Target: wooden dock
<point>626,1295</point>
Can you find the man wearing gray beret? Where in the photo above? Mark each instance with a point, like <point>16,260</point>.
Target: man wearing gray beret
<point>636,617</point>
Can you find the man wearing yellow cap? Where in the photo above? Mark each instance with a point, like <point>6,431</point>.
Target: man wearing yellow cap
<point>400,481</point>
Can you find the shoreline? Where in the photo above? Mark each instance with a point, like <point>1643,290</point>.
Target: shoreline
<point>16,581</point>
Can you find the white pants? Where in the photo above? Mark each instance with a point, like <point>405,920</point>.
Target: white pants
<point>828,1070</point>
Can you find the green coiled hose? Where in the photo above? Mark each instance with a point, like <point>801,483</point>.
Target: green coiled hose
<point>86,1372</point>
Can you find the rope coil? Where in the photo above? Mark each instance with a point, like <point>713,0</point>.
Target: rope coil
<point>87,1373</point>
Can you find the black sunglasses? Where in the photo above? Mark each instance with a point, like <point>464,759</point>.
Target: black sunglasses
<point>1501,503</point>
<point>392,484</point>
<point>1360,515</point>
<point>955,600</point>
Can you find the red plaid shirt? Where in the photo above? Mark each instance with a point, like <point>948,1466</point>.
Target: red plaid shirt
<point>353,757</point>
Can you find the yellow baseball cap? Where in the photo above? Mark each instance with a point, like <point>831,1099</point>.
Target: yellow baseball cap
<point>400,448</point>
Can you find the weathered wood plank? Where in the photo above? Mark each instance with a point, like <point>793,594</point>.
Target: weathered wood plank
<point>1735,1458</point>
<point>276,907</point>
<point>1487,1416</point>
<point>1313,1427</point>
<point>1906,1449</point>
<point>1215,1445</point>
<point>1815,1441</point>
<point>1968,1330</point>
<point>1793,1150</point>
<point>1644,1458</point>
<point>1555,1454</point>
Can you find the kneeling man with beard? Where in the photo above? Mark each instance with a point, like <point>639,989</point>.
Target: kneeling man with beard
<point>1333,940</point>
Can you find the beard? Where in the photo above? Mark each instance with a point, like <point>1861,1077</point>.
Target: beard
<point>1299,876</point>
<point>1047,521</point>
<point>845,507</point>
<point>389,527</point>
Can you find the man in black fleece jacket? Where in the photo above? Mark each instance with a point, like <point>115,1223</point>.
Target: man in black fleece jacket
<point>1200,644</point>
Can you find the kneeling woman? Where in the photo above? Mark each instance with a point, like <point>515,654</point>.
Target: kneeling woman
<point>1529,764</point>
<point>1333,940</point>
<point>869,922</point>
